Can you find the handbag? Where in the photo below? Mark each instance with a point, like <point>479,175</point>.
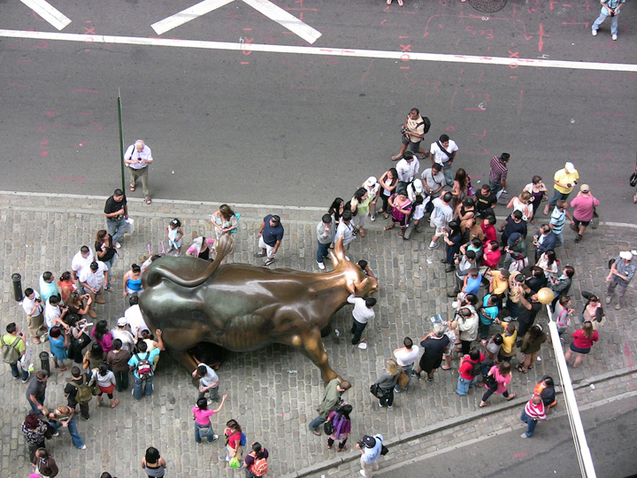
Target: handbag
<point>403,379</point>
<point>377,391</point>
<point>633,179</point>
<point>595,220</point>
<point>490,382</point>
<point>82,341</point>
<point>130,225</point>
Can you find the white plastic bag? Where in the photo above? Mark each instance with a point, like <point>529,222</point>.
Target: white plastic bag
<point>130,225</point>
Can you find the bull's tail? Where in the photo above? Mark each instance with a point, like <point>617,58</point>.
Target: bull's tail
<point>154,275</point>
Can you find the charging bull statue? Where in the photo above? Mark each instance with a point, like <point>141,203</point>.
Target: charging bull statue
<point>242,307</point>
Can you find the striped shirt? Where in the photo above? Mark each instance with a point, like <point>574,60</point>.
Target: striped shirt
<point>535,411</point>
<point>558,219</point>
<point>498,170</point>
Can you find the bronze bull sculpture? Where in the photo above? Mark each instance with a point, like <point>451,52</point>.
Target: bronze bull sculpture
<point>242,307</point>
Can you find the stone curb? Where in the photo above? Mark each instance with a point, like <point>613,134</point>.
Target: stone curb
<point>453,422</point>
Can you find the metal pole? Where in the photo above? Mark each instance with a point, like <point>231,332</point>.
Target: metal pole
<point>121,138</point>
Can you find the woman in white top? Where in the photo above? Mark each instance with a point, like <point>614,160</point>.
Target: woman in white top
<point>225,221</point>
<point>548,263</point>
<point>523,204</point>
<point>105,380</point>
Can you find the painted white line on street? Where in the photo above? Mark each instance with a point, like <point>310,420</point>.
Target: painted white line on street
<point>276,13</point>
<point>48,13</point>
<point>187,15</point>
<point>311,50</point>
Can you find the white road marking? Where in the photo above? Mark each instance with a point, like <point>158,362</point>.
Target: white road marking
<point>188,14</point>
<point>267,8</point>
<point>276,13</point>
<point>48,13</point>
<point>311,50</point>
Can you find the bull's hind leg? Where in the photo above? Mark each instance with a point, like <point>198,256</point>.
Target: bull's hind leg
<point>310,344</point>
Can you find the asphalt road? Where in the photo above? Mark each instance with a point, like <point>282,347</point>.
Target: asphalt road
<point>289,128</point>
<point>611,430</point>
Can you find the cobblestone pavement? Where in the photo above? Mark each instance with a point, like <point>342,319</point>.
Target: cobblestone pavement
<point>273,392</point>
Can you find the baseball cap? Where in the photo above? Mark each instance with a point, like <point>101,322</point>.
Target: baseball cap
<point>584,188</point>
<point>370,182</point>
<point>121,322</point>
<point>370,442</point>
<point>626,255</point>
<point>569,167</point>
<point>418,186</point>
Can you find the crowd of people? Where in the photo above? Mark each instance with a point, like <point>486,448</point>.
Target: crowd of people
<point>496,299</point>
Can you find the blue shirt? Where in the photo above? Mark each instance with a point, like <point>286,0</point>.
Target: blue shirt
<point>488,314</point>
<point>558,218</point>
<point>271,234</point>
<point>370,455</point>
<point>150,356</point>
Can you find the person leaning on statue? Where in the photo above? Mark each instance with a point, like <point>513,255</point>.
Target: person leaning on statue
<point>331,401</point>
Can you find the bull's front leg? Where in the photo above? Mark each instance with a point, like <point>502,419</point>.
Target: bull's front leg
<point>310,344</point>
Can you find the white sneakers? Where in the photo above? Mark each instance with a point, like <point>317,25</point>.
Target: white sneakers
<point>320,265</point>
<point>594,32</point>
<point>614,37</point>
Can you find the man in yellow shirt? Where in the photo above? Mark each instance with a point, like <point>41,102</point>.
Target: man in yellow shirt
<point>564,182</point>
<point>13,347</point>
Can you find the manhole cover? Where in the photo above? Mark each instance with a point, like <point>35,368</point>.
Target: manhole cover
<point>488,6</point>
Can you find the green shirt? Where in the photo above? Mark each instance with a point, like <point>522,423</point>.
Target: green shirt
<point>331,399</point>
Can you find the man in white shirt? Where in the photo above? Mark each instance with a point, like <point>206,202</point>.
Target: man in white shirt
<point>54,314</point>
<point>208,381</point>
<point>407,168</point>
<point>32,305</point>
<point>441,216</point>
<point>81,260</point>
<point>362,313</point>
<point>434,180</point>
<point>443,152</point>
<point>122,333</point>
<point>345,229</point>
<point>93,280</point>
<point>405,357</point>
<point>137,157</point>
<point>134,317</point>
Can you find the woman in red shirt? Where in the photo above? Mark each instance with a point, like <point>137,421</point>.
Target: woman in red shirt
<point>233,436</point>
<point>583,340</point>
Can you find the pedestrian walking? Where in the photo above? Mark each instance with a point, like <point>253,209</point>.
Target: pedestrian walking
<point>583,206</point>
<point>201,415</point>
<point>235,441</point>
<point>533,412</point>
<point>413,132</point>
<point>34,431</point>
<point>497,381</point>
<point>77,391</point>
<point>498,171</point>
<point>469,371</point>
<point>44,464</point>
<point>153,463</point>
<point>36,392</point>
<point>558,219</point>
<point>621,274</point>
<point>386,383</point>
<point>564,181</point>
<point>434,345</point>
<point>531,344</point>
<point>138,157</point>
<point>593,311</point>
<point>370,448</point>
<point>341,425</point>
<point>14,346</point>
<point>583,340</point>
<point>545,388</point>
<point>270,237</point>
<point>331,401</point>
<point>256,462</point>
<point>405,357</point>
<point>64,417</point>
<point>610,8</point>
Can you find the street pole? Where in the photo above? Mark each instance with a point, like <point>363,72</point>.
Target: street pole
<point>121,137</point>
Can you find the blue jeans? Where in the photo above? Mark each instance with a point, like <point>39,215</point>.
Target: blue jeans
<point>408,371</point>
<point>448,172</point>
<point>15,371</point>
<point>464,385</point>
<point>530,424</point>
<point>75,436</point>
<point>556,197</point>
<point>483,330</point>
<point>109,264</point>
<point>140,389</point>
<point>34,407</point>
<point>116,228</point>
<point>603,16</point>
<point>316,423</point>
<point>513,308</point>
<point>322,252</point>
<point>495,187</point>
<point>559,241</point>
<point>198,433</point>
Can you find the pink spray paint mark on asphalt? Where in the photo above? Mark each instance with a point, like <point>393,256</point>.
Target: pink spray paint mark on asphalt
<point>519,455</point>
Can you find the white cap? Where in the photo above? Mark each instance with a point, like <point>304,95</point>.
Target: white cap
<point>569,167</point>
<point>418,186</point>
<point>121,322</point>
<point>626,255</point>
<point>370,182</point>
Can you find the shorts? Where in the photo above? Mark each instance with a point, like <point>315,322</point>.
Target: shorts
<point>439,230</point>
<point>578,350</point>
<point>579,223</point>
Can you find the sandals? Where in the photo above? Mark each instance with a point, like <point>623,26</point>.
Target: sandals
<point>345,448</point>
<point>511,397</point>
<point>400,3</point>
<point>362,232</point>
<point>387,228</point>
<point>132,187</point>
<point>448,368</point>
<point>483,404</point>
<point>149,200</point>
<point>520,369</point>
<point>395,158</point>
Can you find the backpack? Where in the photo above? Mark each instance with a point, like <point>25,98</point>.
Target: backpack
<point>144,367</point>
<point>9,352</point>
<point>260,465</point>
<point>243,439</point>
<point>427,124</point>
<point>476,369</point>
<point>83,394</point>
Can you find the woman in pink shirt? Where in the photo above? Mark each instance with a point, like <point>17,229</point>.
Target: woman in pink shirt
<point>201,415</point>
<point>583,206</point>
<point>502,375</point>
<point>583,340</point>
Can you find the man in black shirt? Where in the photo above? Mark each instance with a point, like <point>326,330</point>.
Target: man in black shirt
<point>485,201</point>
<point>537,280</point>
<point>71,389</point>
<point>116,212</point>
<point>530,306</point>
